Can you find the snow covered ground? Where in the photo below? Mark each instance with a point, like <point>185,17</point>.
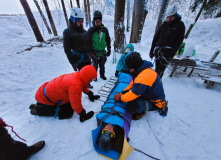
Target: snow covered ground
<point>191,131</point>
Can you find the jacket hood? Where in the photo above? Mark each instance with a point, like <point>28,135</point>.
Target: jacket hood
<point>131,46</point>
<point>87,74</point>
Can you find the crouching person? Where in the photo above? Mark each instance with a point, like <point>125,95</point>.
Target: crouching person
<point>11,149</point>
<point>62,95</point>
<point>145,92</point>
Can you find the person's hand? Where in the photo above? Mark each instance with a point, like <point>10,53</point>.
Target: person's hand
<point>163,111</point>
<point>151,54</point>
<point>108,53</point>
<point>116,73</point>
<point>117,97</point>
<point>87,116</point>
<point>93,97</point>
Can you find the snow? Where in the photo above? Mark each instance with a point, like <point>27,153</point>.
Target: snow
<point>191,131</point>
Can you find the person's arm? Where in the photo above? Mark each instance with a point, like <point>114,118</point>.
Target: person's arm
<point>67,46</point>
<point>108,42</point>
<point>120,63</point>
<point>179,36</point>
<point>155,40</point>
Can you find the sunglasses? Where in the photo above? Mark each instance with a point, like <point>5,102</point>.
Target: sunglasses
<point>108,132</point>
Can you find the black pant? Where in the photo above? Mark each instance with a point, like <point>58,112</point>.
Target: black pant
<point>65,112</point>
<point>11,149</point>
<point>162,60</point>
<point>101,62</point>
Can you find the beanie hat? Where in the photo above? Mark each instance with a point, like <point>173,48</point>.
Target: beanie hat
<point>133,60</point>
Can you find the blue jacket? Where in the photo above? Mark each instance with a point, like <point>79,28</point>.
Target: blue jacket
<point>121,61</point>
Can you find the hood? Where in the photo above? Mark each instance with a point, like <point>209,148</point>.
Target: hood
<point>87,73</point>
<point>131,46</point>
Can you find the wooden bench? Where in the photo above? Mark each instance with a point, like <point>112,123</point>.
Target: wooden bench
<point>212,79</point>
<point>193,68</point>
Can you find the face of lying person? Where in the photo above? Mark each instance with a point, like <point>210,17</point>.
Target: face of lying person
<point>109,127</point>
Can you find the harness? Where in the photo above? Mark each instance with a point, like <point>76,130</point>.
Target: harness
<point>82,60</point>
<point>160,56</point>
<point>58,103</point>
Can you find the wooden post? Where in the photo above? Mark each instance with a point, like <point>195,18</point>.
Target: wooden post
<point>32,21</point>
<point>43,17</point>
<point>65,13</point>
<point>50,17</point>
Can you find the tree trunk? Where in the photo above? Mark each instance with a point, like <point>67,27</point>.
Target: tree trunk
<point>163,7</point>
<point>71,3</point>
<point>119,26</point>
<point>32,21</point>
<point>197,17</point>
<point>50,17</point>
<point>89,12</point>
<point>43,17</point>
<point>85,12</point>
<point>128,15</point>
<point>139,15</point>
<point>65,13</point>
<point>78,4</point>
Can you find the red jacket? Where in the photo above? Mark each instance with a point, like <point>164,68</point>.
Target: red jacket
<point>67,87</point>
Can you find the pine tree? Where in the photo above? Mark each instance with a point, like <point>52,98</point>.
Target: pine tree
<point>212,8</point>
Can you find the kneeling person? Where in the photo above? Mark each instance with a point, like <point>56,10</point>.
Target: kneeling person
<point>146,91</point>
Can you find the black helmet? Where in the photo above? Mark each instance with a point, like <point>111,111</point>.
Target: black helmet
<point>97,15</point>
<point>133,60</point>
<point>106,140</point>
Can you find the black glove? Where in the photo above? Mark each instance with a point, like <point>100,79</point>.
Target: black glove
<point>163,111</point>
<point>116,73</point>
<point>84,116</point>
<point>93,97</point>
<point>108,53</point>
<point>151,54</point>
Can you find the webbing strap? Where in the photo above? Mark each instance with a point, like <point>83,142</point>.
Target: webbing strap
<point>45,94</point>
<point>57,109</point>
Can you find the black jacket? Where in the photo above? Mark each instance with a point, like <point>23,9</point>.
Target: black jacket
<point>169,34</point>
<point>76,40</point>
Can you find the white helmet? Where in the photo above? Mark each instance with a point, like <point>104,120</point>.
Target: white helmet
<point>171,11</point>
<point>76,12</point>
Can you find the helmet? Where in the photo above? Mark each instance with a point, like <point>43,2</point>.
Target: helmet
<point>76,12</point>
<point>106,140</point>
<point>171,11</point>
<point>97,15</point>
<point>133,60</point>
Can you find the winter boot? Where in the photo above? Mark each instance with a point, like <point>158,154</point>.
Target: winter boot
<point>95,80</point>
<point>36,147</point>
<point>103,77</point>
<point>33,108</point>
<point>136,116</point>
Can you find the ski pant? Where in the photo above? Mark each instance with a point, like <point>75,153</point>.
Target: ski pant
<point>11,149</point>
<point>140,104</point>
<point>65,111</point>
<point>101,63</point>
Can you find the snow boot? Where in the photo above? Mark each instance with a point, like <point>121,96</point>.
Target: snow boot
<point>103,77</point>
<point>36,147</point>
<point>33,108</point>
<point>136,116</point>
<point>95,80</point>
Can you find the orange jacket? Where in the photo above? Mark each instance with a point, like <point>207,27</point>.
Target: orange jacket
<point>67,87</point>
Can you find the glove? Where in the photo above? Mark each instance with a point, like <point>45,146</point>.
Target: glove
<point>93,97</point>
<point>84,116</point>
<point>108,53</point>
<point>117,97</point>
<point>163,111</point>
<point>151,54</point>
<point>116,73</point>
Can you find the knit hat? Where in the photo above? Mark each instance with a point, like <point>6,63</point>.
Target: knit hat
<point>133,60</point>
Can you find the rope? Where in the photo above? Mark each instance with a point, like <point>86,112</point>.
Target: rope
<point>2,123</point>
<point>145,154</point>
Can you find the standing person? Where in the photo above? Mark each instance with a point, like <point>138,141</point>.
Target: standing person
<point>100,39</point>
<point>11,149</point>
<point>168,37</point>
<point>62,95</point>
<point>76,41</point>
<point>145,92</point>
<point>121,62</point>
